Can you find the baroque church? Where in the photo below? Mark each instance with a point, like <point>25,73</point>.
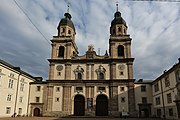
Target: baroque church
<point>91,84</point>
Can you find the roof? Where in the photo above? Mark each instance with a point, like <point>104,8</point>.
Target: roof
<point>67,21</point>
<point>17,69</point>
<point>141,81</point>
<point>177,65</point>
<point>118,19</point>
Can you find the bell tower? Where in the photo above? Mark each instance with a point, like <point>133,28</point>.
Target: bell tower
<point>63,45</point>
<point>120,41</point>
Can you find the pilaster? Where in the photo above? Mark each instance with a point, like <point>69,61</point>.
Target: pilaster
<point>67,103</point>
<point>113,71</point>
<point>51,71</point>
<point>50,98</point>
<point>68,71</point>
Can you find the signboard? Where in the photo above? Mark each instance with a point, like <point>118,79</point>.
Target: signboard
<point>89,103</point>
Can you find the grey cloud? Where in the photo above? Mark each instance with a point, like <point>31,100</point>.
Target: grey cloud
<point>153,26</point>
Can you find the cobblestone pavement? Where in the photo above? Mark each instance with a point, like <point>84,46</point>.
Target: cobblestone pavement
<point>74,118</point>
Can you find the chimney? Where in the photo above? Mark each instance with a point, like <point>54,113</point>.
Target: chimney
<point>17,68</point>
<point>38,79</point>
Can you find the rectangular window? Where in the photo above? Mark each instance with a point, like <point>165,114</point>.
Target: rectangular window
<point>144,100</point>
<point>158,101</point>
<point>22,87</point>
<point>9,97</point>
<point>156,87</point>
<point>122,89</point>
<point>20,99</point>
<point>8,110</point>
<point>122,99</point>
<point>169,99</point>
<point>167,82</point>
<point>57,89</point>
<point>58,73</point>
<point>158,112</point>
<point>121,73</point>
<point>57,99</point>
<point>20,111</point>
<point>38,88</point>
<point>101,88</point>
<point>37,99</point>
<point>11,75</point>
<point>170,112</point>
<point>143,88</point>
<point>79,88</point>
<point>10,85</point>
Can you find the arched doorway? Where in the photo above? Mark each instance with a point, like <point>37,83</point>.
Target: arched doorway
<point>79,105</point>
<point>36,112</point>
<point>101,105</point>
<point>145,113</point>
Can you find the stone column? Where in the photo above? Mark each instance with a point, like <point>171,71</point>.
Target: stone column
<point>68,71</point>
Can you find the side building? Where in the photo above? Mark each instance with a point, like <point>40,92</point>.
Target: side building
<point>14,90</point>
<point>143,98</point>
<point>166,93</point>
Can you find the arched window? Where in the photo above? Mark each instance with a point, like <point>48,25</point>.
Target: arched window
<point>61,52</point>
<point>120,51</point>
<point>69,32</point>
<point>119,29</point>
<point>63,30</point>
<point>124,31</point>
<point>101,73</point>
<point>79,75</point>
<point>101,76</point>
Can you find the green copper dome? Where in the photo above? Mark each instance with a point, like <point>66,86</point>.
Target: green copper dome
<point>118,19</point>
<point>67,21</point>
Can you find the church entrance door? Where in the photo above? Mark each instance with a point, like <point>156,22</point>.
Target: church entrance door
<point>101,105</point>
<point>36,112</point>
<point>79,105</point>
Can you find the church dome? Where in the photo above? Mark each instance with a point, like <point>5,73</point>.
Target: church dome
<point>118,19</point>
<point>67,21</point>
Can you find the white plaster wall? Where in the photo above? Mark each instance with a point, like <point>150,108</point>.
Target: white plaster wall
<point>123,106</point>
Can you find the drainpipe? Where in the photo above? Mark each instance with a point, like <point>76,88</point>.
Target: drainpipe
<point>164,111</point>
<point>28,104</point>
<point>16,97</point>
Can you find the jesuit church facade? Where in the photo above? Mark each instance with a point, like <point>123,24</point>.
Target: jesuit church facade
<point>90,84</point>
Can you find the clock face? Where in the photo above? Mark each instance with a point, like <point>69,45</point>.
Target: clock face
<point>121,67</point>
<point>59,68</point>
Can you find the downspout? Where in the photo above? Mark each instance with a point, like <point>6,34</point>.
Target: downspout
<point>164,116</point>
<point>28,105</point>
<point>17,93</point>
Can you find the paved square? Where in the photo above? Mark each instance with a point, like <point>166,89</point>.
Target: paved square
<point>74,118</point>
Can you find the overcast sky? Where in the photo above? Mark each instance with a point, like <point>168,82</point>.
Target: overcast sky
<point>153,26</point>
